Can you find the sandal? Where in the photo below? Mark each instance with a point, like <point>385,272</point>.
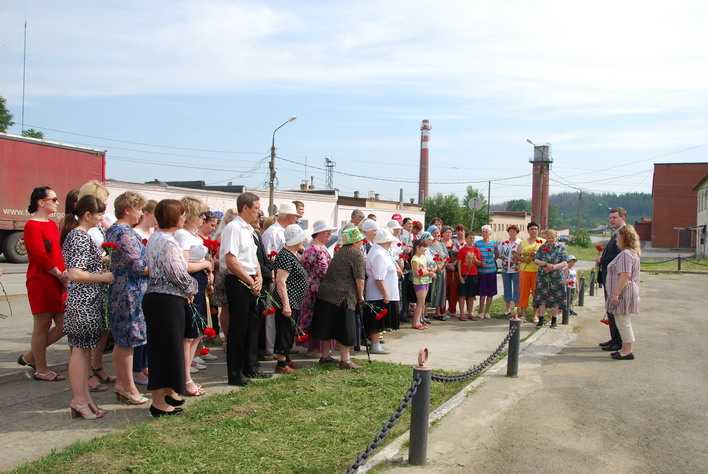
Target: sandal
<point>50,376</point>
<point>21,360</point>
<point>462,318</point>
<point>106,379</point>
<point>419,327</point>
<point>193,390</point>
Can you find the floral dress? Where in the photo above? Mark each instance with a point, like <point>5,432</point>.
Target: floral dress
<point>550,290</point>
<point>128,263</point>
<point>316,261</point>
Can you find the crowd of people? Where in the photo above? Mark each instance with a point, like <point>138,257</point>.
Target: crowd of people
<point>158,278</point>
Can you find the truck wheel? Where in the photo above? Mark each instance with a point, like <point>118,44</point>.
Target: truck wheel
<point>14,248</point>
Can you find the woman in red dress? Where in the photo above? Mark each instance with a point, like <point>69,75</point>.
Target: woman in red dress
<point>46,282</point>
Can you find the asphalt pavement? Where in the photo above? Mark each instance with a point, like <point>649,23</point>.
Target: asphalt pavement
<point>573,409</point>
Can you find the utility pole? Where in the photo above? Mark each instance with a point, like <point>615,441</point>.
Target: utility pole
<point>579,206</point>
<point>489,201</point>
<point>329,165</point>
<point>24,68</point>
<point>271,184</point>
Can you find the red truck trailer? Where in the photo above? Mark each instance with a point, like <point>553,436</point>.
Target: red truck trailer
<point>26,163</point>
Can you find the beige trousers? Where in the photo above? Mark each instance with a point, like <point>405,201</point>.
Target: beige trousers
<point>624,325</point>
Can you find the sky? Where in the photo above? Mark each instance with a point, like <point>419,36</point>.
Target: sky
<point>187,90</point>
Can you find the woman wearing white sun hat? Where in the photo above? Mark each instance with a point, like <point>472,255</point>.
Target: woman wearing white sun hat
<point>382,293</point>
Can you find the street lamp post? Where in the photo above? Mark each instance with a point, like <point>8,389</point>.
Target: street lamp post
<point>271,190</point>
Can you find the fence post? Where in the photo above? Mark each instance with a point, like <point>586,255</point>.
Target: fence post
<point>512,363</point>
<point>679,262</point>
<point>566,307</point>
<point>581,292</point>
<point>592,283</point>
<point>420,410</point>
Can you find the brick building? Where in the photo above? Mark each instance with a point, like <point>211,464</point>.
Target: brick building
<point>675,204</point>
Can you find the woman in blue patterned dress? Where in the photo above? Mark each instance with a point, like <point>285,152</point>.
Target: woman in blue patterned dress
<point>551,259</point>
<point>126,294</point>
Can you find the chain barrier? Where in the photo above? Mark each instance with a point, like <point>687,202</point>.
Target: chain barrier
<point>7,299</point>
<point>691,262</point>
<point>386,428</point>
<point>476,370</point>
<point>406,400</point>
<point>660,261</point>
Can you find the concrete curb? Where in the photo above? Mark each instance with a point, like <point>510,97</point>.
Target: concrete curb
<point>390,452</point>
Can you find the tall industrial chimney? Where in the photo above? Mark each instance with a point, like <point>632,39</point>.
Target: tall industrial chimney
<point>424,161</point>
<point>541,167</point>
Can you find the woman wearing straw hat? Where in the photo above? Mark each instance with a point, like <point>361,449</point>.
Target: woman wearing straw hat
<point>291,286</point>
<point>382,295</point>
<point>341,290</point>
<point>316,260</point>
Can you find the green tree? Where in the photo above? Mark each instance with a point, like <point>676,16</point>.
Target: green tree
<point>581,238</point>
<point>5,116</point>
<point>518,205</point>
<point>32,133</point>
<point>444,206</point>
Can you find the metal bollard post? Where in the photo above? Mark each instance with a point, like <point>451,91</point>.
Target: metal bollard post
<point>581,292</point>
<point>592,283</point>
<point>420,410</point>
<point>678,260</point>
<point>512,363</point>
<point>566,307</point>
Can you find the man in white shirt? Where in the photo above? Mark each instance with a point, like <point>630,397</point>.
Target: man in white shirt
<point>243,282</point>
<point>273,240</point>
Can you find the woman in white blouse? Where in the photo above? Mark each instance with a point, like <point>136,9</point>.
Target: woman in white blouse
<point>200,268</point>
<point>382,295</point>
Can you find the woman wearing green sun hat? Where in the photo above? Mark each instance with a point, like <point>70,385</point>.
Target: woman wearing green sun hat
<point>341,289</point>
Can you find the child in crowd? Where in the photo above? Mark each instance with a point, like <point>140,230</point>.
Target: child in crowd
<point>571,276</point>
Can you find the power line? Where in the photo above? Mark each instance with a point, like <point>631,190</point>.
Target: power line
<point>173,147</point>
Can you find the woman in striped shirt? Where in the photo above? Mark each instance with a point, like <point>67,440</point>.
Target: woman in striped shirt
<point>622,287</point>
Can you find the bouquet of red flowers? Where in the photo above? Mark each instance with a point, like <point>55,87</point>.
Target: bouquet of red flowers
<point>213,247</point>
<point>209,332</point>
<point>599,248</point>
<point>204,351</point>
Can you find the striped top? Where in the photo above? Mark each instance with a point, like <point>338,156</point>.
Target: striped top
<point>626,262</point>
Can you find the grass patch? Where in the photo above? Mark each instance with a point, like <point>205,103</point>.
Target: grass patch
<point>687,264</point>
<point>589,254</point>
<point>315,421</point>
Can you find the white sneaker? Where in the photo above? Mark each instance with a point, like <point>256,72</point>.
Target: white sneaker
<point>193,370</point>
<point>377,348</point>
<point>198,359</point>
<point>209,357</point>
<point>197,365</point>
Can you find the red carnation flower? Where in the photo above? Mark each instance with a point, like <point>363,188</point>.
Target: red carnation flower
<point>302,338</point>
<point>599,248</point>
<point>108,246</point>
<point>209,332</point>
<point>420,272</point>
<point>145,242</point>
<point>400,244</point>
<point>273,254</point>
<point>203,351</point>
<point>366,242</point>
<point>539,241</point>
<point>381,314</point>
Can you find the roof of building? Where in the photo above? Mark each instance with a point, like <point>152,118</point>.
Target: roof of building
<point>38,141</point>
<point>682,164</point>
<point>509,213</point>
<point>701,183</point>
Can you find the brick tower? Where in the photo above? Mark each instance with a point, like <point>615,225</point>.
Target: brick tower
<point>541,167</point>
<point>424,161</point>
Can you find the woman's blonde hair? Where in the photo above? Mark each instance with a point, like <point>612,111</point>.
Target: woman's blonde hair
<point>193,208</point>
<point>95,189</point>
<point>549,232</point>
<point>627,238</point>
<point>127,200</point>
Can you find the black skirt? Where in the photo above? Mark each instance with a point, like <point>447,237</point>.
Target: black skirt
<point>389,322</point>
<point>285,331</point>
<point>330,321</point>
<point>164,317</point>
<point>192,327</point>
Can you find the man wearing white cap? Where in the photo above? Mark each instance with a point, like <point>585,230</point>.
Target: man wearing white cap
<point>382,292</point>
<point>273,240</point>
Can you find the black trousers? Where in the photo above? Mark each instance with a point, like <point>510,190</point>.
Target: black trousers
<point>244,329</point>
<point>614,332</point>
